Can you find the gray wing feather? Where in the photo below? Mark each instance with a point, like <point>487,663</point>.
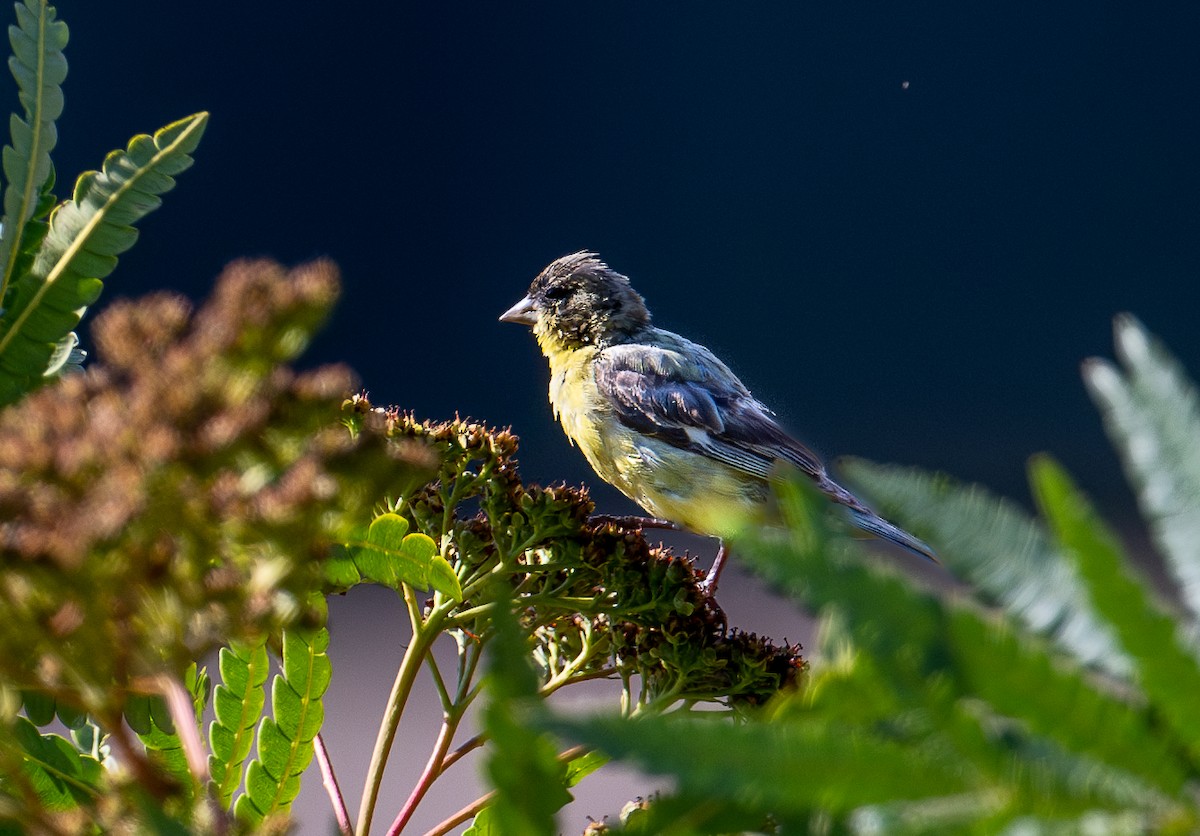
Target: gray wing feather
<point>691,400</point>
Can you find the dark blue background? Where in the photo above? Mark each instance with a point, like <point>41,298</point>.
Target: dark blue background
<point>909,273</point>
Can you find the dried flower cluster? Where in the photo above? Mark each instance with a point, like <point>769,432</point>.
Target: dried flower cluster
<point>596,597</point>
<point>183,492</point>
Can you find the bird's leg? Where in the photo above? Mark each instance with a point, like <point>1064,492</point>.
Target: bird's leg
<point>709,584</point>
<point>632,521</point>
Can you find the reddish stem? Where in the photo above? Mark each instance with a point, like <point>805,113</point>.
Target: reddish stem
<point>433,768</point>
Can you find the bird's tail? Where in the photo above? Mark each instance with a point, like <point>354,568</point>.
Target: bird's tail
<point>869,521</point>
<point>872,523</point>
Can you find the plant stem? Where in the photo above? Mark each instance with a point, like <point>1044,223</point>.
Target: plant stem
<point>433,768</point>
<point>478,804</point>
<point>183,714</point>
<point>463,750</point>
<point>461,816</point>
<point>410,665</point>
<point>329,779</point>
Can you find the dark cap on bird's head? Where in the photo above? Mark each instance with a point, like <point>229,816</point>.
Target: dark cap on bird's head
<point>579,300</point>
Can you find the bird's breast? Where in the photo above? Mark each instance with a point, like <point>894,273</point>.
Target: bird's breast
<point>576,400</point>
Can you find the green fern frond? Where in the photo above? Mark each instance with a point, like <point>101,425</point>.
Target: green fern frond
<point>930,653</point>
<point>237,705</point>
<point>788,767</point>
<point>166,749</point>
<point>1152,413</point>
<point>1001,551</point>
<point>38,65</point>
<point>285,742</point>
<point>1167,669</point>
<point>86,235</point>
<point>1020,678</point>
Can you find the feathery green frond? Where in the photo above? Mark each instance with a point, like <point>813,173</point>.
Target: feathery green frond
<point>1020,677</point>
<point>928,654</point>
<point>789,767</point>
<point>285,741</point>
<point>1167,668</point>
<point>164,747</point>
<point>237,705</point>
<point>86,235</point>
<point>38,65</point>
<point>1000,550</point>
<point>1152,413</point>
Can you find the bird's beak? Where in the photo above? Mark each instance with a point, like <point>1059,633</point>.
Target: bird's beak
<point>521,313</point>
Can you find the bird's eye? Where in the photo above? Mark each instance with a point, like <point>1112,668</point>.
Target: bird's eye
<point>556,292</point>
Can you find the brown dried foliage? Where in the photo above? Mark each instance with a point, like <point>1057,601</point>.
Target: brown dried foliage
<point>183,492</point>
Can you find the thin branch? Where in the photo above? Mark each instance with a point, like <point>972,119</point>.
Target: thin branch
<point>433,768</point>
<point>440,684</point>
<point>329,779</point>
<point>478,804</point>
<point>602,673</point>
<point>183,714</point>
<point>465,749</point>
<point>461,816</point>
<point>568,755</point>
<point>410,665</point>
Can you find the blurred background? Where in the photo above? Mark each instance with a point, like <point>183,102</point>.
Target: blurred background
<point>903,227</point>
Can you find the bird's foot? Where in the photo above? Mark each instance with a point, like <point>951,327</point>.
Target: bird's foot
<point>632,521</point>
<point>709,585</point>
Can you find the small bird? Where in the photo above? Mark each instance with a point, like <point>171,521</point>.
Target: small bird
<point>660,417</point>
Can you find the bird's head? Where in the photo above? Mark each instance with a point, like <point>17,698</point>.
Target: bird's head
<point>578,301</point>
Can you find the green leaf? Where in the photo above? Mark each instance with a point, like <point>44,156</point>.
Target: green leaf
<point>237,706</point>
<point>285,742</point>
<point>390,555</point>
<point>38,65</point>
<point>137,713</point>
<point>1167,671</point>
<point>86,235</point>
<point>441,574</point>
<point>484,824</point>
<point>339,570</point>
<point>161,715</point>
<point>71,717</point>
<point>583,766</point>
<point>165,748</point>
<point>39,707</point>
<point>61,776</point>
<point>1152,413</point>
<point>1001,551</point>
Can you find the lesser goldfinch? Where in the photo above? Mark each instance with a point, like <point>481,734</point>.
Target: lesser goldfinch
<point>660,417</point>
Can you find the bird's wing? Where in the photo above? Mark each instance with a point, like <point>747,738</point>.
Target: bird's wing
<point>682,394</point>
